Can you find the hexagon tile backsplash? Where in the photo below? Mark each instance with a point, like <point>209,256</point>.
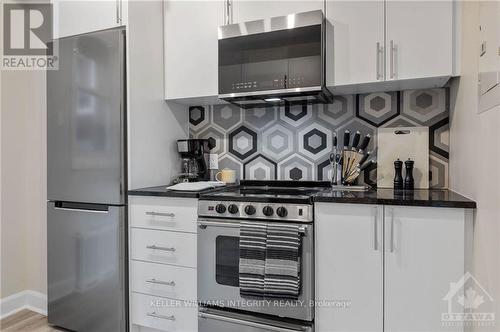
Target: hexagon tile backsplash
<point>293,143</point>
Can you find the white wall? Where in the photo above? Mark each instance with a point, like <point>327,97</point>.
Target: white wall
<point>475,160</point>
<point>23,184</point>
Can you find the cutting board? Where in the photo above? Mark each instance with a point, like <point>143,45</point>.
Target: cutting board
<point>403,143</point>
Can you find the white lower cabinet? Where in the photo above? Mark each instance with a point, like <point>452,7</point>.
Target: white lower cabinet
<point>162,266</point>
<point>392,265</point>
<point>349,267</point>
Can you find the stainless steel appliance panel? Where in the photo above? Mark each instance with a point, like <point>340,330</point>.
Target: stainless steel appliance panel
<point>218,266</point>
<point>86,266</point>
<point>212,320</point>
<point>86,120</point>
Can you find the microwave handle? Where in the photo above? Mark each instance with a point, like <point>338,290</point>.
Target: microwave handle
<point>249,323</point>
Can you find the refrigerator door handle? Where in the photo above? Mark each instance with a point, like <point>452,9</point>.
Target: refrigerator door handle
<point>81,210</point>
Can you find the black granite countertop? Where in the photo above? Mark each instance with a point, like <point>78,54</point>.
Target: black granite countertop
<point>162,191</point>
<point>418,197</point>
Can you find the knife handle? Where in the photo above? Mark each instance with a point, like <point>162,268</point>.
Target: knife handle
<point>347,138</point>
<point>365,142</point>
<point>355,140</point>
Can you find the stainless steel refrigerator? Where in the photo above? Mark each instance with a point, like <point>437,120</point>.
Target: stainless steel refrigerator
<point>86,209</point>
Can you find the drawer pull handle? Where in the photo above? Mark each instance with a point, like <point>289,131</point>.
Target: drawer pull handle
<point>155,247</point>
<point>155,315</point>
<point>159,282</point>
<point>160,214</point>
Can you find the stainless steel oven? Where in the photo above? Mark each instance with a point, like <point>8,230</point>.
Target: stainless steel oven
<point>218,271</point>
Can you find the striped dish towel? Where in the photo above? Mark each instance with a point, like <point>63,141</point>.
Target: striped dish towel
<point>282,268</point>
<point>252,258</point>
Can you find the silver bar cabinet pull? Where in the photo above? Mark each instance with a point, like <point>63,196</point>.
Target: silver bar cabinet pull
<point>375,229</point>
<point>155,315</point>
<point>379,51</point>
<point>118,19</point>
<point>155,247</point>
<point>160,214</point>
<point>392,230</point>
<point>393,50</point>
<point>159,282</point>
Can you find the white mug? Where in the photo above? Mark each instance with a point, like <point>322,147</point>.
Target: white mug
<point>226,175</point>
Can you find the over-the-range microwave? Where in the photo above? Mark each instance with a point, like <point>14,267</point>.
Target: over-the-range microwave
<point>275,61</point>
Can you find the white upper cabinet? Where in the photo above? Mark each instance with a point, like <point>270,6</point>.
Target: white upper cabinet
<point>349,266</point>
<point>358,41</point>
<point>419,39</point>
<point>251,10</point>
<point>424,255</point>
<point>191,45</point>
<point>77,17</point>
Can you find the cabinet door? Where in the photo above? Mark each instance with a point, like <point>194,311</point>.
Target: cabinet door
<point>424,254</point>
<point>191,48</point>
<point>77,17</point>
<point>419,39</point>
<point>358,41</point>
<point>251,10</point>
<point>349,258</point>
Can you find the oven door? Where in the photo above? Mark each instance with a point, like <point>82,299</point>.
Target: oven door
<point>218,272</point>
<point>212,320</point>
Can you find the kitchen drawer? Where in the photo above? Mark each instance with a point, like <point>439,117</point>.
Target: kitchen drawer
<point>164,314</point>
<point>163,247</point>
<point>165,213</point>
<point>174,282</point>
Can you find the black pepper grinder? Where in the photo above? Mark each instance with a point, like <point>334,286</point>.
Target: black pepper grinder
<point>409,181</point>
<point>398,174</point>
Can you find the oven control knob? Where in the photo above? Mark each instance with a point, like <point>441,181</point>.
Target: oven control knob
<point>220,208</point>
<point>249,209</point>
<point>268,211</point>
<point>281,211</point>
<point>232,208</point>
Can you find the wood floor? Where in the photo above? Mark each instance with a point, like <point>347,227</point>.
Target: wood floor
<point>26,321</point>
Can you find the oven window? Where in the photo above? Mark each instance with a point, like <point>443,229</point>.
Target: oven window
<point>227,260</point>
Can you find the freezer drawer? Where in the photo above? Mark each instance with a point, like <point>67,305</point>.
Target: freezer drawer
<point>86,120</point>
<point>86,266</point>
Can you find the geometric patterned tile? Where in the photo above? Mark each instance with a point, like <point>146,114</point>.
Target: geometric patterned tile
<point>297,114</point>
<point>425,106</point>
<point>198,117</point>
<point>315,141</point>
<point>277,142</point>
<point>260,168</point>
<point>439,138</point>
<point>226,116</point>
<point>217,139</point>
<point>242,142</point>
<point>400,121</point>
<point>228,161</point>
<point>438,168</point>
<point>325,171</point>
<point>260,118</point>
<point>338,112</point>
<point>295,168</point>
<point>378,108</point>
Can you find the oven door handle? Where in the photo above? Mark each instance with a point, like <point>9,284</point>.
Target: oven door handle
<point>204,224</point>
<point>249,323</point>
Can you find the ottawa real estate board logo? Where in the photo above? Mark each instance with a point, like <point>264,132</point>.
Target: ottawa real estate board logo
<point>28,37</point>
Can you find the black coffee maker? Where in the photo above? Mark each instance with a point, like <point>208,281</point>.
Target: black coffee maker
<point>193,160</point>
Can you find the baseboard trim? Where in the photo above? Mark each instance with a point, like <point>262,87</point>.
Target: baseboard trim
<point>27,299</point>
